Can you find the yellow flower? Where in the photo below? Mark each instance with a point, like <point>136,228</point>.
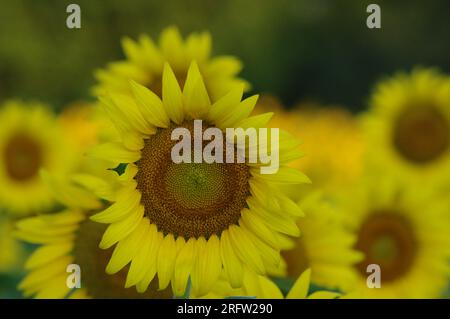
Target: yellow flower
<point>331,141</point>
<point>401,228</point>
<point>262,287</point>
<point>145,62</point>
<point>325,246</point>
<point>191,220</point>
<point>67,238</point>
<point>30,140</point>
<point>408,125</point>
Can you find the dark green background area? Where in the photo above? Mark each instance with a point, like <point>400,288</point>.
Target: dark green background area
<point>313,50</point>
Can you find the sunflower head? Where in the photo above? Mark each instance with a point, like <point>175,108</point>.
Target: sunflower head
<point>325,246</point>
<point>30,140</point>
<point>408,124</point>
<point>192,219</point>
<point>145,61</point>
<point>392,231</point>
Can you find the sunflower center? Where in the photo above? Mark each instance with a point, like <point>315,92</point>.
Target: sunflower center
<point>422,134</point>
<point>387,239</point>
<point>93,261</point>
<point>23,157</point>
<point>189,199</point>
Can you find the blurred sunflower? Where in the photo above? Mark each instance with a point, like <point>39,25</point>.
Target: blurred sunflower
<point>408,124</point>
<point>65,238</point>
<point>324,246</point>
<point>402,229</point>
<point>191,219</point>
<point>30,140</point>
<point>332,141</point>
<point>262,287</point>
<point>145,62</point>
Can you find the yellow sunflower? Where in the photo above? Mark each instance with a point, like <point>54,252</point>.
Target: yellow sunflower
<point>324,246</point>
<point>332,141</point>
<point>192,219</point>
<point>401,228</point>
<point>145,61</point>
<point>30,140</point>
<point>408,124</point>
<point>262,287</point>
<point>69,238</point>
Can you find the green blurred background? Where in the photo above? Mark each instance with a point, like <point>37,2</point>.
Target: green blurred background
<point>299,50</point>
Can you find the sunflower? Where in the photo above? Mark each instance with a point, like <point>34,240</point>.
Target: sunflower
<point>401,228</point>
<point>69,238</point>
<point>324,246</point>
<point>145,61</point>
<point>262,287</point>
<point>30,140</point>
<point>191,219</point>
<point>408,124</point>
<point>332,141</point>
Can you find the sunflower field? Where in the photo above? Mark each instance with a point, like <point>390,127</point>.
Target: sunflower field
<point>342,191</point>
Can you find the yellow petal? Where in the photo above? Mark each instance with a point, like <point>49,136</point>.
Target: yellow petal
<point>127,107</point>
<point>196,99</point>
<point>208,265</point>
<point>119,230</point>
<point>239,113</point>
<point>172,47</point>
<point>226,104</point>
<point>126,249</point>
<point>274,220</point>
<point>224,66</point>
<point>256,225</point>
<point>245,250</point>
<point>172,96</point>
<point>231,263</point>
<point>198,46</point>
<point>166,261</point>
<point>115,152</point>
<point>138,265</point>
<point>55,288</point>
<point>256,121</point>
<point>152,258</point>
<point>150,105</point>
<point>301,286</point>
<point>128,200</point>
<point>43,274</point>
<point>183,267</point>
<point>45,254</point>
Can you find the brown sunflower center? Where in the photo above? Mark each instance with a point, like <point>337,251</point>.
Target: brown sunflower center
<point>422,134</point>
<point>387,239</point>
<point>93,261</point>
<point>23,157</point>
<point>189,199</point>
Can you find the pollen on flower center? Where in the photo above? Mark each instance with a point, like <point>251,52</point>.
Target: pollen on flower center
<point>23,157</point>
<point>93,261</point>
<point>387,239</point>
<point>189,199</point>
<point>422,134</point>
